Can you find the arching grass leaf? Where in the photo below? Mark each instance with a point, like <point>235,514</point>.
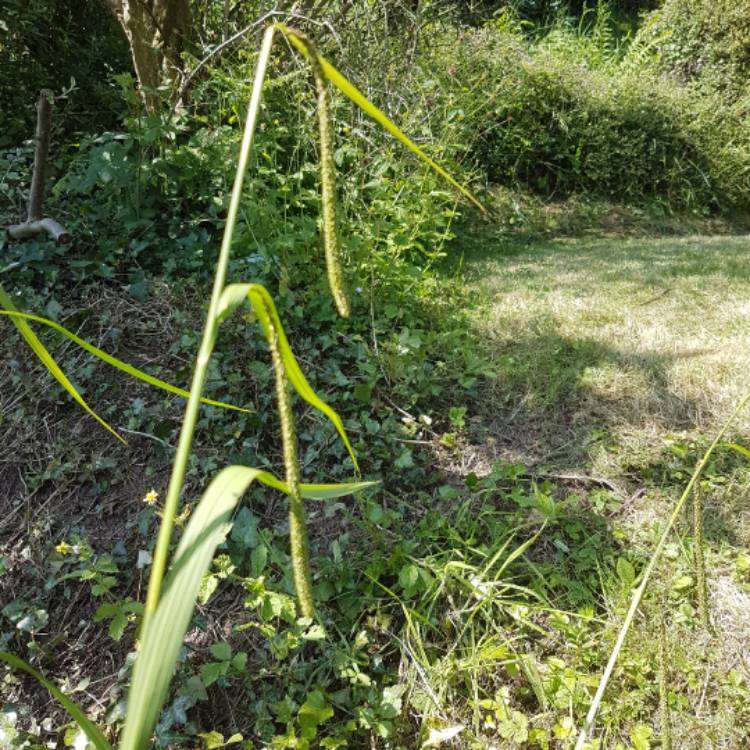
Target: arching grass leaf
<point>76,713</point>
<point>265,310</point>
<point>357,97</point>
<point>162,641</point>
<point>48,360</point>
<point>20,318</point>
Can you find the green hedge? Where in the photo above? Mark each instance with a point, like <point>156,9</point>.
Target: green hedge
<point>701,40</point>
<point>539,120</point>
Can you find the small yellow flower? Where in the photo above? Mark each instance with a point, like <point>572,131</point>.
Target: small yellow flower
<point>151,497</point>
<point>63,548</point>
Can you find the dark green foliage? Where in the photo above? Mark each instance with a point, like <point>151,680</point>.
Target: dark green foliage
<point>559,118</point>
<point>59,44</point>
<point>702,40</point>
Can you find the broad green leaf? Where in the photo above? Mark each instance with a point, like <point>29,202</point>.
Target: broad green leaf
<point>314,711</point>
<point>76,713</point>
<point>207,528</point>
<point>212,671</point>
<point>265,310</point>
<point>19,318</point>
<point>221,651</point>
<point>213,739</point>
<point>640,736</point>
<point>356,96</point>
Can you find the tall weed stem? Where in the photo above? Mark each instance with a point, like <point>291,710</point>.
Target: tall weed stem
<point>588,724</point>
<point>179,467</point>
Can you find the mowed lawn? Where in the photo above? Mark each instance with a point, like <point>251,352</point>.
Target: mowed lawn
<point>602,344</point>
<point>617,361</point>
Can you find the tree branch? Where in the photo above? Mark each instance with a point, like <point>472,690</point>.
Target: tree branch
<point>34,223</point>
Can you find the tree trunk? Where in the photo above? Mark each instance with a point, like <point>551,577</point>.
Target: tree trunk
<point>157,31</point>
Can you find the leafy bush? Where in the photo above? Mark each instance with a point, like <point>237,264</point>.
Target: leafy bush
<point>705,40</point>
<point>558,124</point>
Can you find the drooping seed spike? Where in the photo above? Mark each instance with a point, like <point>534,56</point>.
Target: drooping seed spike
<point>297,527</point>
<point>327,183</point>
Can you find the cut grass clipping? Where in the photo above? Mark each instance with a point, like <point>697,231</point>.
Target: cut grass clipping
<point>170,602</point>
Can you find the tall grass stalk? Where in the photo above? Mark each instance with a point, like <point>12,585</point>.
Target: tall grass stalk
<point>699,558</point>
<point>641,588</point>
<point>184,444</point>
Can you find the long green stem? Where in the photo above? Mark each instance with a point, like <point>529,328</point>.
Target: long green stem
<point>638,593</point>
<point>179,467</point>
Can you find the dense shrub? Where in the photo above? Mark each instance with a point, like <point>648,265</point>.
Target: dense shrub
<point>706,40</point>
<point>545,122</point>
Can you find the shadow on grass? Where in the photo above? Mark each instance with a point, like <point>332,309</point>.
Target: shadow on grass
<point>639,260</point>
<point>567,393</point>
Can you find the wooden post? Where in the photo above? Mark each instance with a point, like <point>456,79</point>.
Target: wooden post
<point>35,223</point>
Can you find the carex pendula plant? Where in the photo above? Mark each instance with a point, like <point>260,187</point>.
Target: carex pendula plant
<point>172,592</point>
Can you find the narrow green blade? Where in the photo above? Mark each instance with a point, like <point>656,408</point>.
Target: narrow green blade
<point>208,527</point>
<point>265,310</point>
<point>355,95</point>
<point>18,319</point>
<point>49,362</point>
<point>740,449</point>
<point>76,713</point>
<point>330,491</point>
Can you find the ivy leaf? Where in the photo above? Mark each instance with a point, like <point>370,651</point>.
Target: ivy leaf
<point>362,392</point>
<point>245,529</point>
<point>212,671</point>
<point>626,572</point>
<point>314,711</point>
<point>117,626</point>
<point>221,651</point>
<point>405,460</point>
